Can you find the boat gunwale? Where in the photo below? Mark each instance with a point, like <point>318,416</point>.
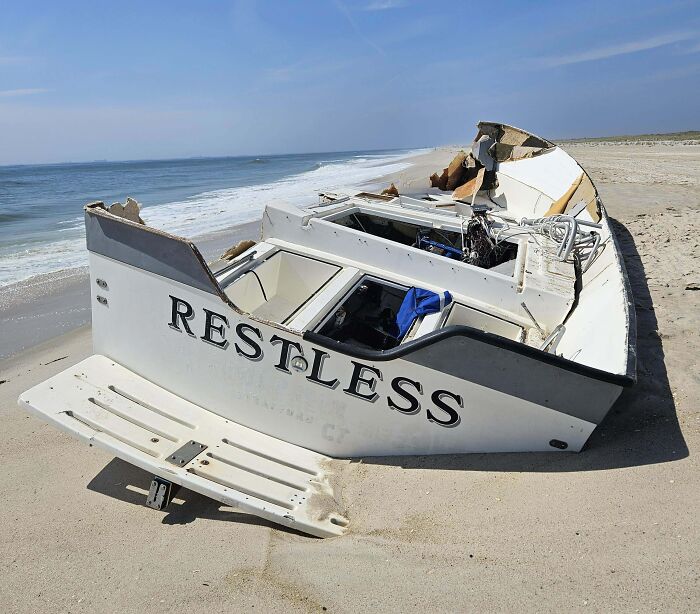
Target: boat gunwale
<point>462,330</point>
<point>629,296</point>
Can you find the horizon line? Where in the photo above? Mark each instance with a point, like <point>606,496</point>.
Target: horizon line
<point>214,157</point>
<point>311,153</point>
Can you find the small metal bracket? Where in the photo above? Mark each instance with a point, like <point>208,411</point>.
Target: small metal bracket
<point>186,453</point>
<point>101,283</point>
<point>161,493</point>
<point>101,299</point>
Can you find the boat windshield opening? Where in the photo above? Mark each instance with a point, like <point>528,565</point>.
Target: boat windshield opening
<point>471,245</point>
<point>366,317</point>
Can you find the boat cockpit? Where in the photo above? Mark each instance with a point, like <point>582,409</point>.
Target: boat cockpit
<point>341,279</point>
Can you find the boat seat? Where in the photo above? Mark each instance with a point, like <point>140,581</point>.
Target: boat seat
<point>468,316</point>
<point>275,309</point>
<point>280,285</point>
<point>424,325</point>
<point>429,323</point>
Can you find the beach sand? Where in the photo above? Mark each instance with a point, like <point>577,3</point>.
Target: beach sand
<point>612,528</point>
<point>49,305</point>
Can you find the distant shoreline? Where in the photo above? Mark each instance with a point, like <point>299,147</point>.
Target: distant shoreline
<point>688,135</point>
<point>258,156</point>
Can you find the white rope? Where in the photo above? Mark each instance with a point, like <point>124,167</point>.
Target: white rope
<point>572,236</point>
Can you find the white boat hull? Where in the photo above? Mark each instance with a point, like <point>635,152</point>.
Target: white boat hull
<point>281,355</point>
<point>286,404</point>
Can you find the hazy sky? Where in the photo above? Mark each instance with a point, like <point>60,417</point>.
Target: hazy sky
<point>131,80</point>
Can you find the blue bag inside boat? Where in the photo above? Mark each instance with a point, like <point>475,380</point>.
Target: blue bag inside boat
<point>419,302</point>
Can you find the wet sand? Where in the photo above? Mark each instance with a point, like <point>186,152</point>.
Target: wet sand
<point>612,528</point>
<point>49,305</point>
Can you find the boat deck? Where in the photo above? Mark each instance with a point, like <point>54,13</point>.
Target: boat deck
<point>308,262</point>
<point>111,407</point>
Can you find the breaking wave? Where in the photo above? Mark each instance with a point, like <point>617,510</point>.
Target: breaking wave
<point>198,215</point>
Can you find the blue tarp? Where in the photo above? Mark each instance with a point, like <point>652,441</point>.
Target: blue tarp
<point>419,302</point>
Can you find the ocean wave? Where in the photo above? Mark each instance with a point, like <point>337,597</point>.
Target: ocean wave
<point>216,210</point>
<point>208,212</point>
<point>13,183</point>
<point>13,217</point>
<point>42,258</point>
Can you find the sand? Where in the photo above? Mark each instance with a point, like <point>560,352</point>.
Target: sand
<point>612,528</point>
<point>49,305</point>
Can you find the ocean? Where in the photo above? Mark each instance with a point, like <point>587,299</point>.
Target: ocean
<point>41,206</point>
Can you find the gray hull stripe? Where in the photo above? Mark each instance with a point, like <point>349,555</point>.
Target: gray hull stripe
<point>491,362</point>
<point>519,376</point>
<point>148,249</point>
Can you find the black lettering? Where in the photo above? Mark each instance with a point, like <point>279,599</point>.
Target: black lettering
<point>210,327</point>
<point>319,357</point>
<point>397,386</point>
<point>283,364</point>
<point>249,341</point>
<point>187,313</point>
<point>357,379</point>
<point>454,419</point>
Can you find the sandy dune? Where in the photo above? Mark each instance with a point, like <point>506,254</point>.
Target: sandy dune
<point>612,528</point>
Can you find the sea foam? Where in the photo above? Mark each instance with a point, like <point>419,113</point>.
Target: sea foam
<point>201,214</point>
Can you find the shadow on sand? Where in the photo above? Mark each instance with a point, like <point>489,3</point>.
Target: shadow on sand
<point>123,481</point>
<point>641,429</point>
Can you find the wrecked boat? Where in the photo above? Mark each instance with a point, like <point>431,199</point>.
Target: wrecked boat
<point>489,312</point>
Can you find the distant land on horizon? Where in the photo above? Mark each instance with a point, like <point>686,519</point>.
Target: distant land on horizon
<point>257,156</point>
<point>688,135</point>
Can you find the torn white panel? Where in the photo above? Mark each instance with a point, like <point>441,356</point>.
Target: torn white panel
<point>552,173</point>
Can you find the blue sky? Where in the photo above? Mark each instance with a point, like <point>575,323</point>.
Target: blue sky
<point>132,80</point>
